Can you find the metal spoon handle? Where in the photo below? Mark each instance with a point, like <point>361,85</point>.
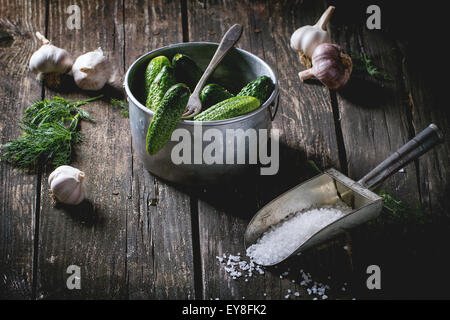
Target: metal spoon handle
<point>410,151</point>
<point>229,39</point>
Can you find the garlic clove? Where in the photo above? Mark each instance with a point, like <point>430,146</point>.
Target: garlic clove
<point>92,70</point>
<point>305,39</point>
<point>330,65</point>
<point>66,185</point>
<point>49,59</point>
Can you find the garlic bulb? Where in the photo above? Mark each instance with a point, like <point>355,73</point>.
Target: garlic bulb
<point>305,39</point>
<point>91,70</point>
<point>330,65</point>
<point>49,59</point>
<point>66,184</point>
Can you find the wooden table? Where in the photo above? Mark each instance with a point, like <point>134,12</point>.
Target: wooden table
<point>142,238</point>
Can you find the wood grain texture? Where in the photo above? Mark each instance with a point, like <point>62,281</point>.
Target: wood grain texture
<point>375,116</point>
<point>159,238</point>
<point>19,20</point>
<point>138,237</point>
<point>92,235</point>
<point>373,113</point>
<point>306,124</point>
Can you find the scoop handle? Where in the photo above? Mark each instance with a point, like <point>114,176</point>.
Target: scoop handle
<point>410,151</point>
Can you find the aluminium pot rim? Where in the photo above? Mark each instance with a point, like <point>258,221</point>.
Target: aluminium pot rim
<point>204,123</point>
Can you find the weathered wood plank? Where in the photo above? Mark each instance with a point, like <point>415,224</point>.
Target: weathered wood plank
<point>305,120</point>
<point>375,120</point>
<point>159,238</point>
<point>428,101</point>
<point>373,113</point>
<point>19,20</point>
<point>92,235</point>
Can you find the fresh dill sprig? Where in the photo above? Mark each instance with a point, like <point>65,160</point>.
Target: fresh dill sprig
<point>314,166</point>
<point>362,63</point>
<point>123,105</point>
<point>405,215</point>
<point>392,205</point>
<point>50,130</point>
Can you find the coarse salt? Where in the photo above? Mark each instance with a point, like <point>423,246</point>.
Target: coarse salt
<point>283,239</point>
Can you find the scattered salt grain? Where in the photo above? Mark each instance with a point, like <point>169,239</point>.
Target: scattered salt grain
<point>277,243</point>
<point>237,268</point>
<point>281,240</point>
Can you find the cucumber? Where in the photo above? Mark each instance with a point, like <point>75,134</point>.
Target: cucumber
<point>213,93</point>
<point>166,117</point>
<point>186,70</point>
<point>163,81</point>
<point>153,68</point>
<point>260,88</point>
<point>229,108</point>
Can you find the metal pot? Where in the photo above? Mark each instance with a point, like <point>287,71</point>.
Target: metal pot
<point>237,69</point>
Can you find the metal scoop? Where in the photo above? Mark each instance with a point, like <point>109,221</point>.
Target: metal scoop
<point>331,187</point>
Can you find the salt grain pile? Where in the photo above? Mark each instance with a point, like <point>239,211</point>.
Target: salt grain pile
<point>279,242</point>
<point>283,239</point>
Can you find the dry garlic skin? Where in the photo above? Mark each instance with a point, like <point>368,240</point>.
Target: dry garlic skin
<point>92,70</point>
<point>307,38</point>
<point>66,184</point>
<point>49,59</point>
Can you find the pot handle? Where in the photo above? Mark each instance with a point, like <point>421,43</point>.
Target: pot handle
<point>410,151</point>
<point>275,104</point>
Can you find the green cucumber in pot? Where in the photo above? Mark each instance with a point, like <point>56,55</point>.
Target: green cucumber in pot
<point>213,93</point>
<point>229,108</point>
<point>163,81</point>
<point>186,70</point>
<point>260,88</point>
<point>152,70</point>
<point>166,117</point>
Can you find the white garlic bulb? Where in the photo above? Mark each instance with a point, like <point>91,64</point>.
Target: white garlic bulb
<point>91,71</point>
<point>66,184</point>
<point>305,39</point>
<point>49,59</point>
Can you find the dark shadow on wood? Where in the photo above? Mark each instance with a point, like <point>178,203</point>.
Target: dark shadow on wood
<point>65,84</point>
<point>366,93</point>
<point>325,265</point>
<point>84,213</point>
<point>237,196</point>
